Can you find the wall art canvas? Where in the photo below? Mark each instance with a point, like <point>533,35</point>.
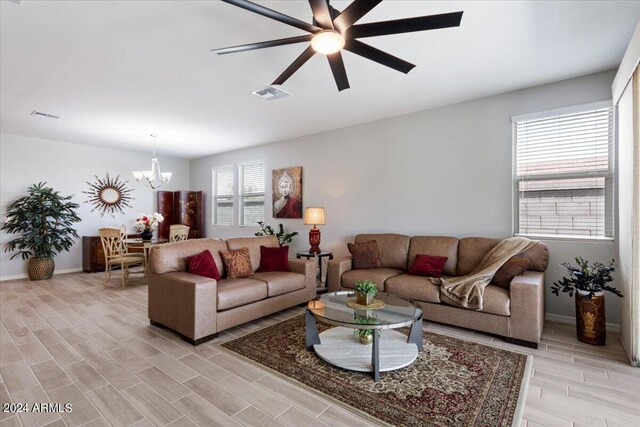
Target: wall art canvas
<point>286,187</point>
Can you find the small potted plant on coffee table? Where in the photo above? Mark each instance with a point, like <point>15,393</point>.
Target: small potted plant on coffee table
<point>365,335</point>
<point>366,290</point>
<point>588,282</point>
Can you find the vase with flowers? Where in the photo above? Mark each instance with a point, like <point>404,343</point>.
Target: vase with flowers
<point>145,224</point>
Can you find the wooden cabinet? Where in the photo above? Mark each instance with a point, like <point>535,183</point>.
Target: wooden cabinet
<point>181,207</point>
<point>93,255</point>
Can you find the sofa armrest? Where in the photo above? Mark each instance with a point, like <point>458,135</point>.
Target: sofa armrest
<point>336,268</point>
<point>308,268</point>
<point>183,302</point>
<point>526,293</point>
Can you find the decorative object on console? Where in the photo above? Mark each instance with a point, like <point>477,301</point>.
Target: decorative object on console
<point>283,238</point>
<point>332,30</point>
<point>588,281</point>
<point>154,178</point>
<point>181,207</point>
<point>428,265</point>
<point>366,290</point>
<point>315,217</point>
<point>109,195</point>
<point>286,189</point>
<point>274,259</point>
<point>237,263</point>
<point>203,264</point>
<point>365,254</point>
<point>44,219</point>
<point>146,224</point>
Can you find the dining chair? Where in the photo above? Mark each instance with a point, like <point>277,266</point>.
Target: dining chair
<point>178,232</point>
<point>117,255</point>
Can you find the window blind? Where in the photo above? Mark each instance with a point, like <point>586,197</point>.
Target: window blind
<point>564,174</point>
<point>251,192</point>
<point>223,195</point>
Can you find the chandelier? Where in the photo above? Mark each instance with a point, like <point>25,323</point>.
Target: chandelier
<point>154,178</point>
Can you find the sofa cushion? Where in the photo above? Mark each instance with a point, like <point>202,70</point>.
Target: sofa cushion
<point>170,257</point>
<point>393,248</point>
<point>471,250</point>
<point>203,264</point>
<point>365,254</point>
<point>428,265</point>
<point>279,283</point>
<point>253,243</point>
<point>237,263</point>
<point>377,275</point>
<point>515,266</point>
<point>538,254</point>
<point>414,287</point>
<point>274,259</point>
<point>236,292</point>
<point>436,245</point>
<point>496,301</point>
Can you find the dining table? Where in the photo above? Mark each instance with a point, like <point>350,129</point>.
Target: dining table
<point>145,245</point>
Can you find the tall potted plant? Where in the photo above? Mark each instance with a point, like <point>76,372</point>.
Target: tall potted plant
<point>44,219</point>
<point>588,282</point>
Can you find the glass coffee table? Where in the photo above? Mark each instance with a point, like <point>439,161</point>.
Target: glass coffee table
<point>390,350</point>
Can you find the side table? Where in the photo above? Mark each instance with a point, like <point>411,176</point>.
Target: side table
<point>319,256</point>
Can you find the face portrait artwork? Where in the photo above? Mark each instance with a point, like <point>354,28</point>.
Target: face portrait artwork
<point>287,192</point>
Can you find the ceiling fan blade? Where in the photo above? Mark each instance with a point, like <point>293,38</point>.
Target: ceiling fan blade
<point>264,11</point>
<point>353,13</point>
<point>378,56</point>
<point>300,60</point>
<point>407,25</point>
<point>262,45</point>
<point>321,13</point>
<point>338,70</point>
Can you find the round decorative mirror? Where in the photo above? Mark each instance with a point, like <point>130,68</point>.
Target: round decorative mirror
<point>108,195</point>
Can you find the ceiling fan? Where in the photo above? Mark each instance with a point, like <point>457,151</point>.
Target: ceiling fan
<point>332,30</point>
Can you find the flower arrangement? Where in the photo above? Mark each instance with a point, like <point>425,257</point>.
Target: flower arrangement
<point>146,223</point>
<point>587,277</point>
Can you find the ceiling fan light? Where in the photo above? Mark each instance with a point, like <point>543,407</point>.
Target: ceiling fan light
<point>327,42</point>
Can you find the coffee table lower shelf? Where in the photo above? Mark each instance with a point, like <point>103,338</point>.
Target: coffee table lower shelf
<point>340,348</point>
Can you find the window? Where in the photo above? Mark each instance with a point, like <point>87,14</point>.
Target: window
<point>564,173</point>
<point>251,193</point>
<point>223,195</point>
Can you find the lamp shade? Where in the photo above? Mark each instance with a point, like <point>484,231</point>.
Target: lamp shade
<point>314,216</point>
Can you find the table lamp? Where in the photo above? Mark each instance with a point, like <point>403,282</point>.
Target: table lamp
<point>314,216</point>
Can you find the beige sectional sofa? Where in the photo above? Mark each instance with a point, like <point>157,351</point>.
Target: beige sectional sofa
<point>516,314</point>
<point>197,307</point>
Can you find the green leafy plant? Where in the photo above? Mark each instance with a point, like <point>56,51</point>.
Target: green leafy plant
<point>366,287</point>
<point>588,277</point>
<point>44,221</point>
<point>283,238</point>
<point>361,320</point>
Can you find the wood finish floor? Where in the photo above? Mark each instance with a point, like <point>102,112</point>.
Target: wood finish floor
<point>68,340</point>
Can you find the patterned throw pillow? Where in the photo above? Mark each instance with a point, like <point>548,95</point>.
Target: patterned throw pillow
<point>237,263</point>
<point>365,255</point>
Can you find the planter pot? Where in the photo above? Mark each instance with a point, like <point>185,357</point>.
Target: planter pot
<point>366,339</point>
<point>364,299</point>
<point>146,235</point>
<point>40,268</point>
<point>590,318</point>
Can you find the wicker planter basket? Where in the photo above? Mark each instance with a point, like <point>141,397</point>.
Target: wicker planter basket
<point>590,318</point>
<point>41,268</point>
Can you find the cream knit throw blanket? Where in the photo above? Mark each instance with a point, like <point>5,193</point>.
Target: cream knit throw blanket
<point>468,291</point>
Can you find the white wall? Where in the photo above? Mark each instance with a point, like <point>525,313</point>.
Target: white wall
<point>445,171</point>
<point>67,167</point>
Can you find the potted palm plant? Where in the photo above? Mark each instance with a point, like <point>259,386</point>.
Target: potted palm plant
<point>44,221</point>
<point>283,238</point>
<point>366,290</point>
<point>365,336</point>
<point>588,281</point>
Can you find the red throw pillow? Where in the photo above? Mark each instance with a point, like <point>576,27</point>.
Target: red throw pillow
<point>428,265</point>
<point>274,259</point>
<point>203,264</point>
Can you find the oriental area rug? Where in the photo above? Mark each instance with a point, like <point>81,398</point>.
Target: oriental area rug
<point>451,383</point>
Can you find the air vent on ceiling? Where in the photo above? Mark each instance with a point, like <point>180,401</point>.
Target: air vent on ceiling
<point>270,93</point>
<point>43,114</point>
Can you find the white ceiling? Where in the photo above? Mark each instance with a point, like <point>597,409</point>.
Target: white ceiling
<point>117,71</point>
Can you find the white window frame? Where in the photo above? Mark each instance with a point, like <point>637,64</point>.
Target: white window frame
<point>610,176</point>
<point>240,193</point>
<point>214,195</point>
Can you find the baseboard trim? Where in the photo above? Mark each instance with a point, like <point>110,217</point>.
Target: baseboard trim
<point>613,327</point>
<point>55,273</point>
